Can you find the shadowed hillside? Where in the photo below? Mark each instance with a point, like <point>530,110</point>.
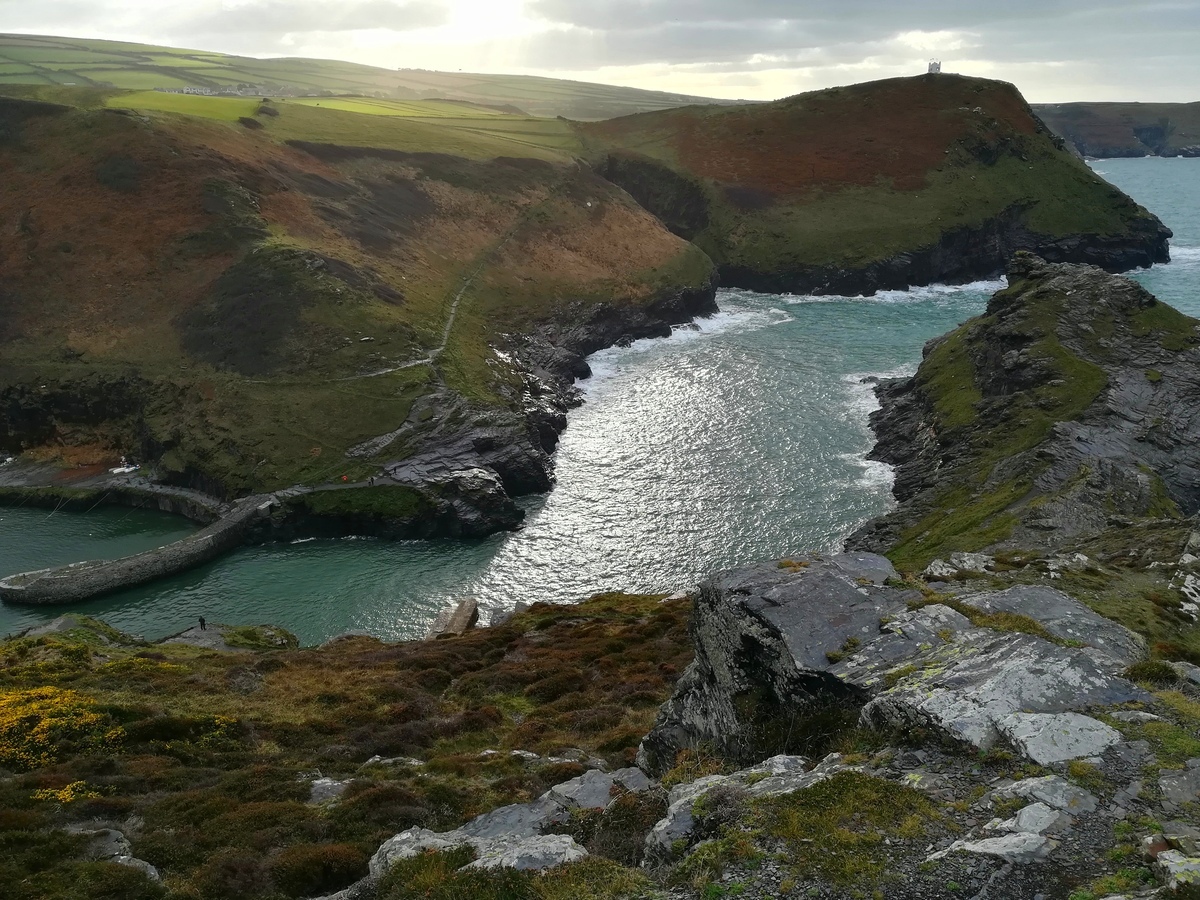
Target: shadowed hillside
<point>246,302</point>
<point>1109,130</point>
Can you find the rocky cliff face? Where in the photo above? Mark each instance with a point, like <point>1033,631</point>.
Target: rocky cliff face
<point>1068,406</point>
<point>1108,130</point>
<point>1040,603</point>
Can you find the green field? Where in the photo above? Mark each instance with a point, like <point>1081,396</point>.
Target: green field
<point>414,125</point>
<point>227,109</point>
<point>35,59</point>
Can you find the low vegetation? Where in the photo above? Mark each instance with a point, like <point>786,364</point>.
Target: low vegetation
<point>214,752</point>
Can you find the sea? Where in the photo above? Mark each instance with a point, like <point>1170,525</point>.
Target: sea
<point>740,440</point>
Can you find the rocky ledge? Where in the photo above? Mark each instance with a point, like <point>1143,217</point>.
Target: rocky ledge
<point>967,254</point>
<point>1069,407</point>
<point>995,744</point>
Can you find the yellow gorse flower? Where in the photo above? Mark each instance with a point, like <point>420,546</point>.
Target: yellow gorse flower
<point>76,790</point>
<point>37,724</point>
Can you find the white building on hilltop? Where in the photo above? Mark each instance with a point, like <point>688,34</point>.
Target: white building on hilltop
<point>935,67</point>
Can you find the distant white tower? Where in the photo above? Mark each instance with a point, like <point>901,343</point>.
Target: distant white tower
<point>935,67</point>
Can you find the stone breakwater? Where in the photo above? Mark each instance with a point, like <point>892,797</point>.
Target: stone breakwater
<point>83,580</point>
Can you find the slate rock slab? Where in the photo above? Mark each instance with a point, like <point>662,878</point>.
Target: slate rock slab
<point>1064,618</point>
<point>1176,870</point>
<point>768,631</point>
<point>1048,738</point>
<point>1180,787</point>
<point>1021,848</point>
<point>1051,790</point>
<point>966,688</point>
<point>783,639</point>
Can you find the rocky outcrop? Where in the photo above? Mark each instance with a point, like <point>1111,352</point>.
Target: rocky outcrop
<point>512,836</point>
<point>776,645</point>
<point>110,845</point>
<point>1120,444</point>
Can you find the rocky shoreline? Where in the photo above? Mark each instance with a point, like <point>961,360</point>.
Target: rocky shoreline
<point>460,484</point>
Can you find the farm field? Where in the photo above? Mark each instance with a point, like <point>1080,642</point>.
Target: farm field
<point>77,62</point>
<point>461,129</point>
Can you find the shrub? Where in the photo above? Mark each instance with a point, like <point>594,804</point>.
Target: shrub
<point>41,725</point>
<point>110,881</point>
<point>1154,671</point>
<point>232,876</point>
<point>309,869</point>
<point>555,686</point>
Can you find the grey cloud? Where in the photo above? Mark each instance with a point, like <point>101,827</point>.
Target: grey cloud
<point>281,17</point>
<point>717,35</point>
<point>844,17</point>
<point>252,25</point>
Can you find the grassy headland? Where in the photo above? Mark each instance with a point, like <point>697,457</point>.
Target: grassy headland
<point>805,190</point>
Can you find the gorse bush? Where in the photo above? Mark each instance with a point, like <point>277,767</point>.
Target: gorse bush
<point>43,724</point>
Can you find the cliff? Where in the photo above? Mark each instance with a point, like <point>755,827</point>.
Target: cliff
<point>879,185</point>
<point>1006,724</point>
<point>1106,130</point>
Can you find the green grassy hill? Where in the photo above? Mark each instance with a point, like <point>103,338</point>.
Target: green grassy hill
<point>1126,129</point>
<point>256,293</point>
<point>36,59</point>
<point>244,291</point>
<point>883,184</point>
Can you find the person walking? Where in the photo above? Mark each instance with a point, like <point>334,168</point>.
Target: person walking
<point>203,627</point>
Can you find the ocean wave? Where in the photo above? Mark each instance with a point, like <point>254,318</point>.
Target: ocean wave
<point>862,400</point>
<point>1187,256</point>
<point>733,317</point>
<point>912,295</point>
<point>873,475</point>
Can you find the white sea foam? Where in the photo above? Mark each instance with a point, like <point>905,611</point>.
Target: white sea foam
<point>302,540</point>
<point>862,399</point>
<point>1186,256</point>
<point>732,318</point>
<point>912,295</point>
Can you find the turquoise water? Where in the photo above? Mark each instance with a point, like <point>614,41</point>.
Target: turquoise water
<point>740,441</point>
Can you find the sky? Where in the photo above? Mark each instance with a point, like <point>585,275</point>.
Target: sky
<point>1053,50</point>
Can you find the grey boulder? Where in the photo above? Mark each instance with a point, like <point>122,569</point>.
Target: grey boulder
<point>1021,848</point>
<point>1051,790</point>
